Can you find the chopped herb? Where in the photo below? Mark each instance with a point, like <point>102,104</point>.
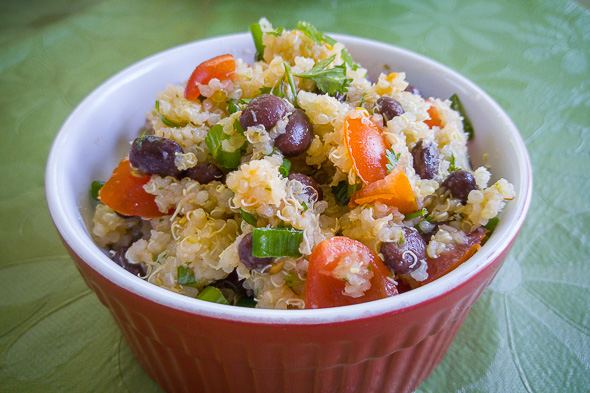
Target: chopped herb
<point>186,277</point>
<point>249,218</point>
<point>283,225</point>
<point>452,167</point>
<point>213,140</point>
<point>343,191</point>
<point>95,188</point>
<point>310,31</point>
<point>285,167</point>
<point>293,280</point>
<point>392,158</point>
<point>275,242</point>
<point>348,60</point>
<point>363,100</point>
<point>268,188</point>
<point>429,218</point>
<point>491,227</point>
<point>246,301</point>
<point>419,213</point>
<point>291,82</point>
<point>213,295</point>
<point>275,91</point>
<point>344,279</point>
<point>232,106</point>
<point>457,105</point>
<point>304,206</point>
<point>329,81</point>
<point>165,119</point>
<point>256,31</point>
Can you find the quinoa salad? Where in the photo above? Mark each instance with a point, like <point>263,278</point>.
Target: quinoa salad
<point>296,182</point>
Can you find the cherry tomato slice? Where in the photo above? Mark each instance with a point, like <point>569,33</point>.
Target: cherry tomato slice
<point>450,259</point>
<point>124,193</point>
<point>366,146</point>
<point>323,290</point>
<point>435,119</point>
<point>219,67</point>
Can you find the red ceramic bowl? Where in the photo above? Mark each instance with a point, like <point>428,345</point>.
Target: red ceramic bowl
<point>185,344</point>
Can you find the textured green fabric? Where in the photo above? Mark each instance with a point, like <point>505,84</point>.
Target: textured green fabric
<point>529,332</point>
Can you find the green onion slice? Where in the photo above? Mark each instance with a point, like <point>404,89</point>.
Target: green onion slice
<point>246,301</point>
<point>419,213</point>
<point>95,188</point>
<point>458,106</point>
<point>256,31</point>
<point>213,295</point>
<point>249,218</point>
<point>213,140</point>
<point>285,167</point>
<point>276,242</point>
<point>291,82</point>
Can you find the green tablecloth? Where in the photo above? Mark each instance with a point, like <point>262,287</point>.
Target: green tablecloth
<point>529,332</point>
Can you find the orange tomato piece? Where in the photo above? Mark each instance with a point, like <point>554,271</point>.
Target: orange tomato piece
<point>393,190</point>
<point>449,260</point>
<point>365,145</point>
<point>220,67</point>
<point>435,119</point>
<point>323,290</point>
<point>124,193</point>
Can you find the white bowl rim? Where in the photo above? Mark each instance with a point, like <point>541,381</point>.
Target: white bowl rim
<point>65,220</point>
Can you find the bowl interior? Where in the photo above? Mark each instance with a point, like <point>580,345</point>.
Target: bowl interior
<point>96,136</point>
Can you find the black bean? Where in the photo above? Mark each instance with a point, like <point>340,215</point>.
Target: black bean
<point>137,269</point>
<point>388,108</point>
<point>426,159</point>
<point>297,136</point>
<point>404,257</point>
<point>204,172</point>
<point>265,109</point>
<point>245,253</point>
<point>413,90</point>
<point>460,183</point>
<point>154,155</point>
<point>313,189</point>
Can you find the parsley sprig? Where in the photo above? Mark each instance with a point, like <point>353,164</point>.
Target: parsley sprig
<point>328,80</point>
<point>392,158</point>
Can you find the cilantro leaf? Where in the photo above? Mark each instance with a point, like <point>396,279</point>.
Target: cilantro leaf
<point>329,81</point>
<point>348,60</point>
<point>309,30</point>
<point>392,158</point>
<point>186,277</point>
<point>343,191</point>
<point>165,119</point>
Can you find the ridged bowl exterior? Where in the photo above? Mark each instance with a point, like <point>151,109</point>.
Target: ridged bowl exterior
<point>188,345</point>
<point>393,352</point>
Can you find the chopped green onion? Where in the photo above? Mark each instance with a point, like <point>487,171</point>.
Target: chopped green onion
<point>363,100</point>
<point>213,140</point>
<point>419,213</point>
<point>309,30</point>
<point>491,227</point>
<point>330,81</point>
<point>276,242</point>
<point>457,105</point>
<point>256,31</point>
<point>165,119</point>
<point>95,188</point>
<point>304,206</point>
<point>285,167</point>
<point>392,158</point>
<point>291,82</point>
<point>232,106</point>
<point>246,301</point>
<point>213,295</point>
<point>343,191</point>
<point>452,167</point>
<point>275,91</point>
<point>249,218</point>
<point>185,277</point>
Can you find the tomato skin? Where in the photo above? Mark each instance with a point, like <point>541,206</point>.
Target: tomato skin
<point>219,67</point>
<point>124,193</point>
<point>323,290</point>
<point>435,120</point>
<point>366,146</point>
